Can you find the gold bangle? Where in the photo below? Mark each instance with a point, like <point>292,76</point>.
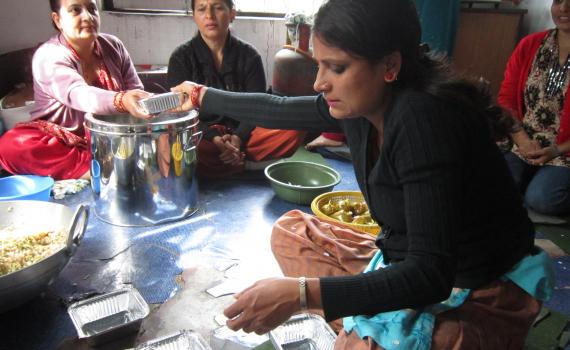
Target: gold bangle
<point>303,293</point>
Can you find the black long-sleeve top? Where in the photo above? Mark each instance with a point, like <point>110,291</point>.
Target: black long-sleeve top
<point>241,70</point>
<point>450,213</point>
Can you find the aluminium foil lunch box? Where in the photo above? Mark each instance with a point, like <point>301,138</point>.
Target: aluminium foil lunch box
<point>161,102</point>
<point>182,340</point>
<point>303,332</point>
<point>109,316</point>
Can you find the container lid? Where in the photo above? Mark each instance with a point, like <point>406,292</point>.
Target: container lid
<point>120,124</point>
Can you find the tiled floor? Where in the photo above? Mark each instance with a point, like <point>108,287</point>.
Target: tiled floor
<point>231,228</point>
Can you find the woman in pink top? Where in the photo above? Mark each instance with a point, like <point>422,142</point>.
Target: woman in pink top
<point>77,71</point>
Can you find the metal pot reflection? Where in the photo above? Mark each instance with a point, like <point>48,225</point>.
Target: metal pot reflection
<point>153,175</point>
<point>124,160</point>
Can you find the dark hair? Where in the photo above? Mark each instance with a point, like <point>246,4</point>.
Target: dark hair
<point>55,5</point>
<point>230,4</point>
<point>372,29</point>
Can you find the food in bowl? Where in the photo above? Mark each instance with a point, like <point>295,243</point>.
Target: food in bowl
<point>348,210</point>
<point>20,249</point>
<point>345,207</point>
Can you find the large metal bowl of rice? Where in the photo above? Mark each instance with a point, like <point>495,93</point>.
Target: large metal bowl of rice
<point>36,241</point>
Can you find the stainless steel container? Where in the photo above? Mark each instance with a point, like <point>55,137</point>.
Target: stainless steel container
<point>143,172</point>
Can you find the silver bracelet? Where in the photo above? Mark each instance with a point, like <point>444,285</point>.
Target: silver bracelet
<point>303,293</point>
<point>516,127</point>
<point>557,152</point>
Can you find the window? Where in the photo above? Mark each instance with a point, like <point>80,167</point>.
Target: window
<point>278,6</point>
<point>274,8</point>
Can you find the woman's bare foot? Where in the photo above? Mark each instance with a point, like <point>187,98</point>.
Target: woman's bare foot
<point>322,141</point>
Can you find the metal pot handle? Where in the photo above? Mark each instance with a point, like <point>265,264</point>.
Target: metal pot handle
<point>79,218</point>
<point>195,138</point>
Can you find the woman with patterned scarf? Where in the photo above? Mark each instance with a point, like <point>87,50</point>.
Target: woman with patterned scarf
<point>77,71</point>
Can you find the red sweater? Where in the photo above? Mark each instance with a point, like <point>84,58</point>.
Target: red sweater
<point>516,74</point>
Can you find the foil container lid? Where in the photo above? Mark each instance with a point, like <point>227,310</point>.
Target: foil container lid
<point>108,316</point>
<point>303,331</point>
<point>182,340</point>
<point>160,102</point>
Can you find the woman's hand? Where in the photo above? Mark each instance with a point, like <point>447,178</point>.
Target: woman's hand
<point>187,103</point>
<point>131,103</point>
<point>527,147</point>
<point>264,306</point>
<point>230,149</point>
<point>543,155</point>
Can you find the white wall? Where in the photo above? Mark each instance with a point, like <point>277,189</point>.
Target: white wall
<point>24,23</point>
<point>538,17</point>
<point>151,39</point>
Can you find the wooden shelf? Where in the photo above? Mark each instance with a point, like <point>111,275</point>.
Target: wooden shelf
<point>485,39</point>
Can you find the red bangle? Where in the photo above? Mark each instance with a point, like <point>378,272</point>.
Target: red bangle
<point>121,102</point>
<point>118,102</point>
<point>195,96</point>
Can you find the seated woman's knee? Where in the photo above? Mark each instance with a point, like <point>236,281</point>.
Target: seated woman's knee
<point>549,202</point>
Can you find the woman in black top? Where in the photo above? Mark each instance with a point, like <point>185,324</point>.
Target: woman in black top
<point>422,145</point>
<point>216,58</point>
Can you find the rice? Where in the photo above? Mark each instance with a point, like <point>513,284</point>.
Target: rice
<point>19,249</point>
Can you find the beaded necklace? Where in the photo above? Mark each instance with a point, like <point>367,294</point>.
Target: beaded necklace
<point>556,76</point>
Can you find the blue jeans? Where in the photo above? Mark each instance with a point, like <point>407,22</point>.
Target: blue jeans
<point>546,189</point>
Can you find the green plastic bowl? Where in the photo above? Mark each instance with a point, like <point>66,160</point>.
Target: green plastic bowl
<point>300,182</point>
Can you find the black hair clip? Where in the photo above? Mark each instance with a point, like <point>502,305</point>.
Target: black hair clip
<point>424,49</point>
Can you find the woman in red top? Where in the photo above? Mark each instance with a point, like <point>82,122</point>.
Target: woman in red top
<point>535,91</point>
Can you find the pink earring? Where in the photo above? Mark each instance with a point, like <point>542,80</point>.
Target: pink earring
<point>390,77</point>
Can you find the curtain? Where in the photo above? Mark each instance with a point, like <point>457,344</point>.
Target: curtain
<point>439,23</point>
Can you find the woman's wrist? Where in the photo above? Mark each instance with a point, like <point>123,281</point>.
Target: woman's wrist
<point>202,93</point>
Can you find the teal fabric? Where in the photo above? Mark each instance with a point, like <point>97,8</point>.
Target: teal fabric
<point>534,274</point>
<point>413,329</point>
<point>439,23</point>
